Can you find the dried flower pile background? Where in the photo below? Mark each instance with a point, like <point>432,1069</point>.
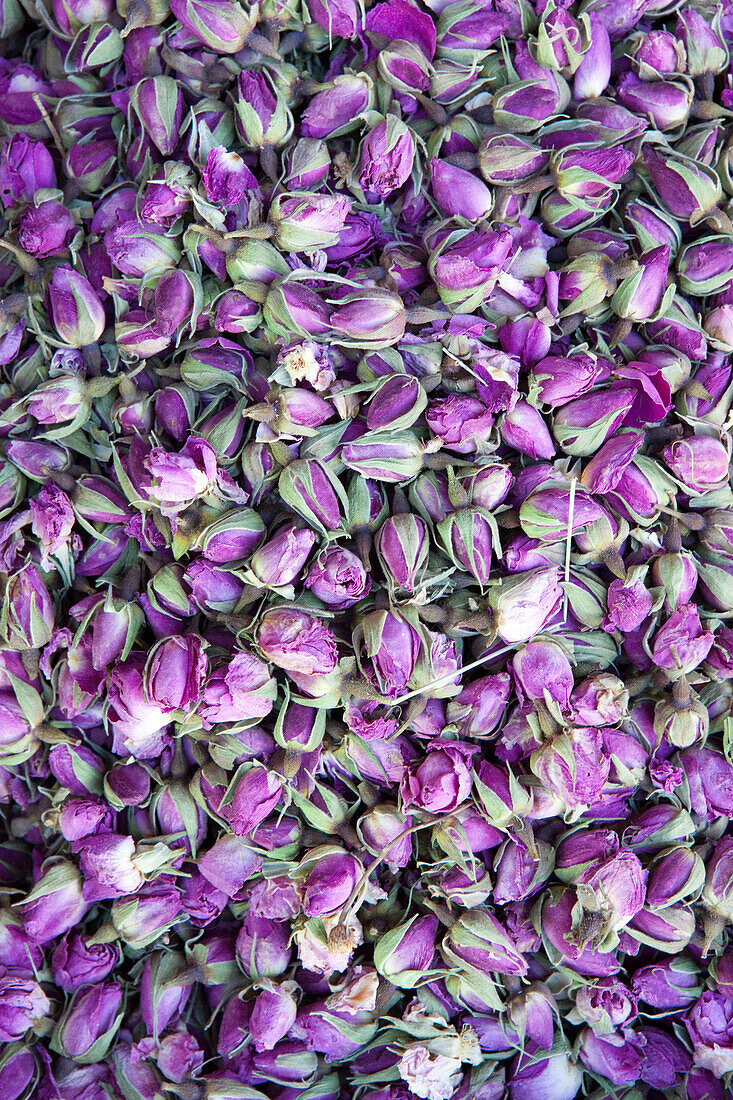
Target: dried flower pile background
<point>366,541</point>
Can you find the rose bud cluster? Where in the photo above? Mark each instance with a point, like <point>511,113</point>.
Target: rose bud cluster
<point>366,550</point>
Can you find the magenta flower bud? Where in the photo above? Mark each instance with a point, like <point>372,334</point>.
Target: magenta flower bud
<point>179,478</point>
<point>370,318</point>
<point>478,938</point>
<point>338,108</point>
<point>226,178</point>
<point>158,104</point>
<point>706,53</point>
<point>665,102</point>
<point>409,952</point>
<point>681,643</point>
<point>338,578</point>
<point>25,167</point>
<point>23,1005</point>
<point>263,947</point>
<point>52,520</point>
<point>629,603</point>
<point>574,767</point>
<point>172,303</point>
<point>213,589</point>
<point>546,512</point>
<point>509,158</point>
<point>175,672</point>
<point>273,1014</point>
<point>466,265</point>
<point>442,781</point>
<point>27,610</point>
<point>710,1026</point>
<point>606,1005</point>
<point>668,984</point>
<point>126,785</point>
<point>139,725</point>
<point>56,903</point>
<point>557,1078</point>
<point>76,311</point>
<point>559,379</point>
<point>524,429</point>
<point>467,537</point>
<point>582,425</point>
<point>76,963</point>
<point>459,193</point>
<point>331,877</point>
<point>106,862</point>
<point>402,546</point>
<point>304,222</point>
<point>380,829</point>
<point>138,247</point>
<point>393,647</point>
<point>659,53</point>
<point>639,296</point>
<point>396,403</point>
<point>594,71</point>
<point>307,488</point>
<point>280,560</point>
<point>477,710</point>
<point>542,671</point>
<point>460,422</point>
<point>701,462</point>
<point>89,1023</point>
<point>174,411</point>
<point>386,157</point>
<point>689,191</point>
<point>221,25</point>
<point>261,116</point>
<point>80,817</point>
<point>621,1063</point>
<point>297,642</point>
<point>46,230</point>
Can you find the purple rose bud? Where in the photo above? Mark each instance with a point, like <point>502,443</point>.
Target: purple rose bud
<point>76,311</point>
<point>681,643</point>
<point>666,102</point>
<point>640,294</point>
<point>442,781</point>
<point>138,247</point>
<point>710,1026</point>
<point>701,462</point>
<point>621,1063</point>
<point>25,167</point>
<point>524,429</point>
<point>55,904</point>
<point>220,25</point>
<point>107,863</point>
<point>629,603</point>
<point>263,947</point>
<point>524,603</point>
<point>393,647</point>
<point>688,190</point>
<point>297,642</point>
<point>273,1014</point>
<point>574,767</point>
<point>668,984</point>
<point>466,265</point>
<point>478,939</point>
<point>304,222</point>
<point>338,578</point>
<point>46,230</point>
<point>76,963</point>
<point>386,157</point>
<point>459,193</point>
<point>557,1078</point>
<point>542,671</point>
<point>407,952</point>
<point>139,921</point>
<point>706,52</point>
<point>594,71</point>
<point>159,105</point>
<point>402,546</point>
<point>370,318</point>
<point>280,560</point>
<point>338,108</point>
<point>164,990</point>
<point>509,158</point>
<point>89,1023</point>
<point>23,1005</point>
<point>261,116</point>
<point>27,610</point>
